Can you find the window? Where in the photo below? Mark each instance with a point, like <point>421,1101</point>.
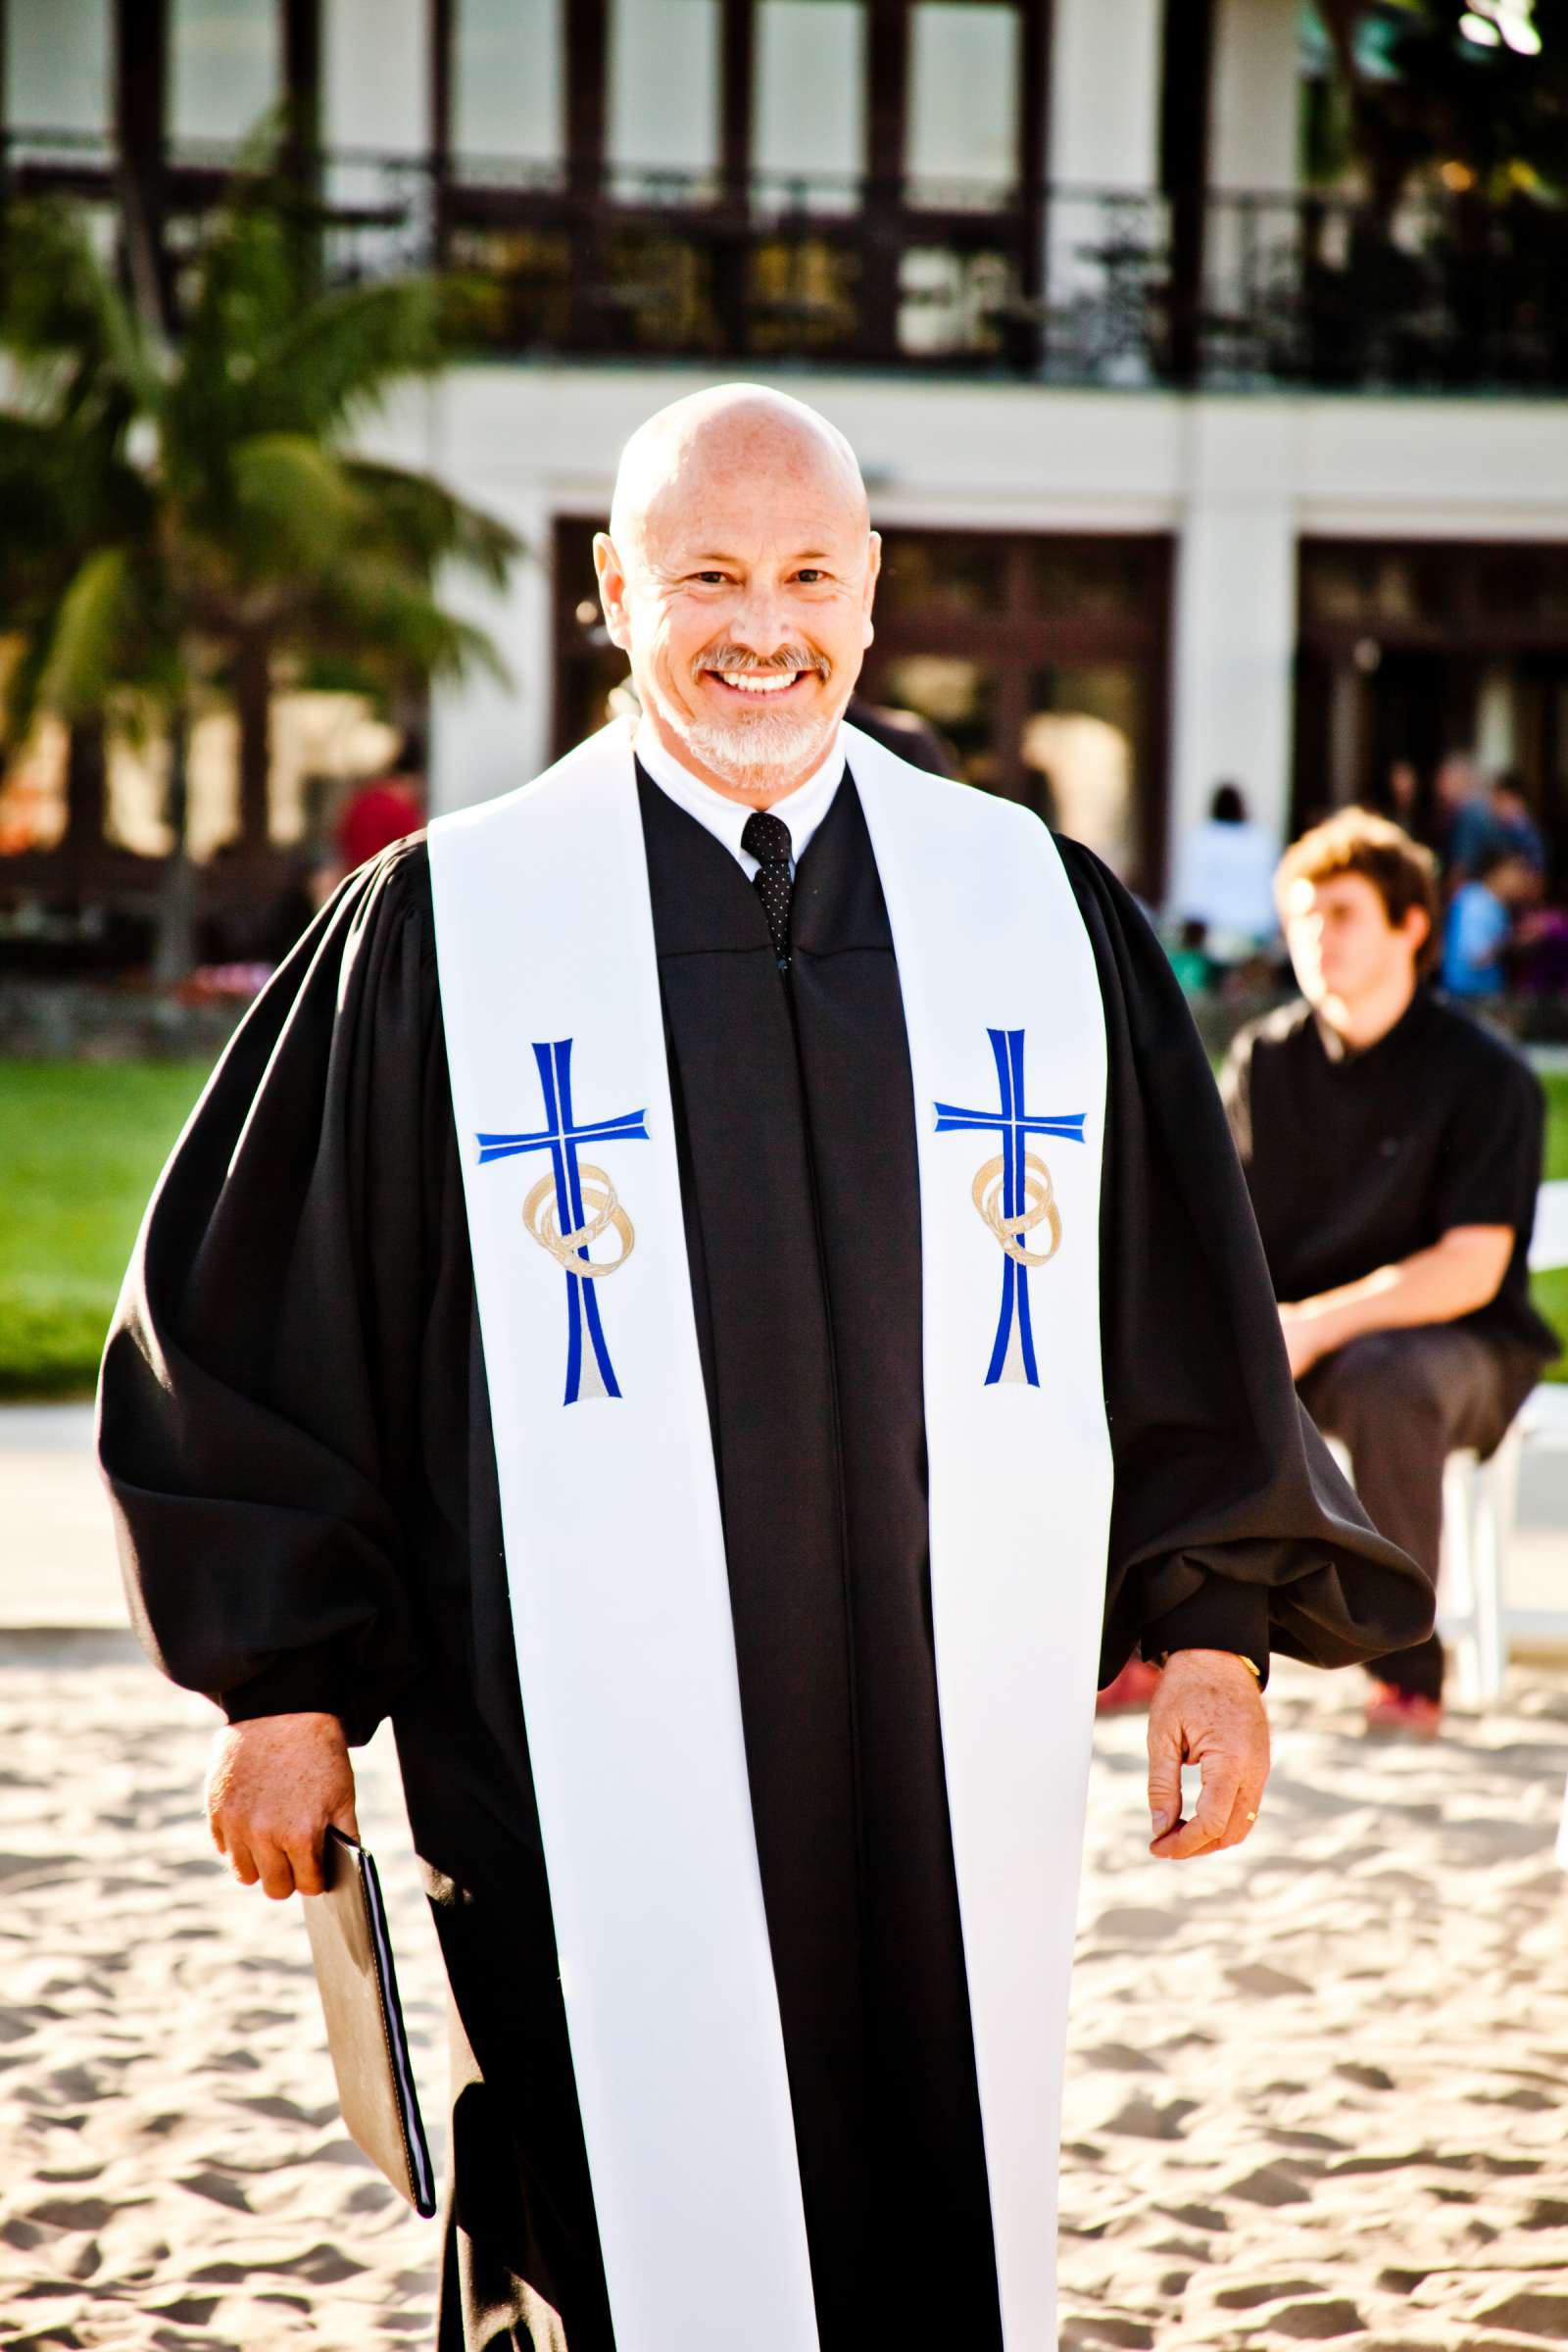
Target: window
<point>374,84</point>
<point>225,67</point>
<point>508,81</point>
<point>810,99</point>
<point>963,139</point>
<point>664,87</point>
<point>57,73</point>
<point>922,571</point>
<point>1042,660</point>
<point>1084,743</point>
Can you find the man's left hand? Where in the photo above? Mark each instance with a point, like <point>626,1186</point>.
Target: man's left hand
<point>1308,1337</point>
<point>1208,1711</point>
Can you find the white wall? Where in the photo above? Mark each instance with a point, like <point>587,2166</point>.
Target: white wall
<point>486,737</point>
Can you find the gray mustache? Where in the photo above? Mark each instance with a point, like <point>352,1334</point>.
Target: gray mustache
<point>727,664</point>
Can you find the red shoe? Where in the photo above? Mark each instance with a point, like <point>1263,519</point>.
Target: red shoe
<point>1134,1687</point>
<point>1391,1709</point>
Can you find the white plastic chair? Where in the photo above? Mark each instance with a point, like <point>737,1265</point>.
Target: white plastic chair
<point>1481,1502</point>
<point>1480,1505</point>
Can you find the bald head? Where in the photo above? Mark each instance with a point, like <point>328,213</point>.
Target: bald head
<point>689,453</point>
<point>737,574</point>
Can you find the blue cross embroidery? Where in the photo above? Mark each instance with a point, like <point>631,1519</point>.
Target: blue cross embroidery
<point>564,1139</point>
<point>1013,1124</point>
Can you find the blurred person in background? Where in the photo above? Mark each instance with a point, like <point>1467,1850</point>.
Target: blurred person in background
<point>1225,880</point>
<point>1478,931</point>
<point>1392,1151</point>
<point>1495,823</point>
<point>384,809</point>
<point>1456,805</point>
<point>1540,958</point>
<point>1188,959</point>
<point>1403,795</point>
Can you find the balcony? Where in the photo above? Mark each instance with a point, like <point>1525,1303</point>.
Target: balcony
<point>1060,285</point>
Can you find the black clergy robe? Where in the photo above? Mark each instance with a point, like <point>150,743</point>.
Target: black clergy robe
<point>296,1433</point>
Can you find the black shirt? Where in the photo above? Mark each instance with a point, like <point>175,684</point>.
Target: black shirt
<point>1355,1160</point>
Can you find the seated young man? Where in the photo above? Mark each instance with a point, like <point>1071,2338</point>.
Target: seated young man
<point>1392,1150</point>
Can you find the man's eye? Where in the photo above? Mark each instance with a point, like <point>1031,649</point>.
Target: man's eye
<point>712,579</point>
<point>811,575</point>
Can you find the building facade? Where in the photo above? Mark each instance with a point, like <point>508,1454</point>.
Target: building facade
<point>1187,472</point>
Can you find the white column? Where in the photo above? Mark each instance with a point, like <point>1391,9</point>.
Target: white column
<point>1235,615</point>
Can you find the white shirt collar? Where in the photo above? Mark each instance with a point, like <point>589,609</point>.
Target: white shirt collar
<point>802,809</point>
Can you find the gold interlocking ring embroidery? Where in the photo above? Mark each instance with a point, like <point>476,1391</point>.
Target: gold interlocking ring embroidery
<point>605,1215</point>
<point>990,1190</point>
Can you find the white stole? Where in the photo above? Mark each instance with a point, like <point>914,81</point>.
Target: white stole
<point>609,1506</point>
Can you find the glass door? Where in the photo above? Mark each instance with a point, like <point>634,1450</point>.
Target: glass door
<point>1042,660</point>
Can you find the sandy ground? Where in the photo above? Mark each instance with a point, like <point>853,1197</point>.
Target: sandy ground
<point>172,2168</point>
<point>1317,2087</point>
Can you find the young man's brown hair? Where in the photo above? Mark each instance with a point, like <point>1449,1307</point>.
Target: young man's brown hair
<point>1357,840</point>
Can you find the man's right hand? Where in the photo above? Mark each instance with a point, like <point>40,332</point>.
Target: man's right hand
<point>272,1786</point>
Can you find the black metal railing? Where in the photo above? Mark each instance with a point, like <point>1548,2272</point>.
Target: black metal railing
<point>1060,284</point>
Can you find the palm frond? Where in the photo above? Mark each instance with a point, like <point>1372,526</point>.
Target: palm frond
<point>63,489</point>
<point>430,523</point>
<point>19,707</point>
<point>337,359</point>
<point>63,311</point>
<point>391,623</point>
<point>242,291</point>
<point>30,490</point>
<point>84,655</point>
<point>296,506</point>
<point>242,516</point>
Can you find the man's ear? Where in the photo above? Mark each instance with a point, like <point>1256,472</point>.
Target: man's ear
<point>873,570</point>
<point>1417,927</point>
<point>611,589</point>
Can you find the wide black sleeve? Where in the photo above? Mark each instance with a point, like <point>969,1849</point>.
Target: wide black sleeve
<point>257,1405</point>
<point>1231,1527</point>
<point>1236,1092</point>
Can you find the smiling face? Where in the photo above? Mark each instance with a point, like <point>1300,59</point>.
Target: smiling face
<point>737,575</point>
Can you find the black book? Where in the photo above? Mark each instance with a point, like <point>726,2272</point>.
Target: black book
<point>359,1987</point>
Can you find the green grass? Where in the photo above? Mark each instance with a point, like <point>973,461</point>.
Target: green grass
<point>81,1144</point>
<point>1551,1290</point>
<point>1556,1126</point>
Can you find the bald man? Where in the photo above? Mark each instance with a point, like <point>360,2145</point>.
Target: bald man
<point>715,1293</point>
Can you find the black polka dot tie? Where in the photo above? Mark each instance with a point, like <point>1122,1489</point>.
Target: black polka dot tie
<point>767,840</point>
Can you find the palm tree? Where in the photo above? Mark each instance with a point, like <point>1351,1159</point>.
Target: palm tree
<point>177,515</point>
